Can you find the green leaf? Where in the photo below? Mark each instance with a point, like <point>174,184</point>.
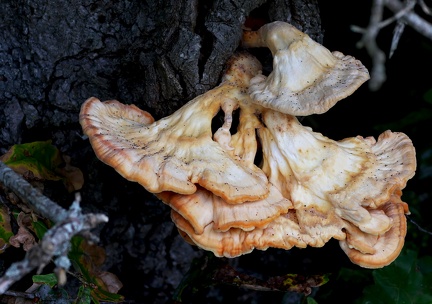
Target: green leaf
<point>356,276</point>
<point>310,300</point>
<point>39,159</point>
<point>428,96</point>
<point>402,282</point>
<point>84,296</point>
<point>43,161</point>
<point>86,259</point>
<point>98,294</point>
<point>49,279</point>
<point>425,264</point>
<point>39,228</point>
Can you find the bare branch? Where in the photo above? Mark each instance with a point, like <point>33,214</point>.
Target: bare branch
<point>397,34</point>
<point>418,226</point>
<point>404,15</point>
<point>378,76</point>
<point>426,9</point>
<point>29,195</point>
<point>411,18</point>
<point>56,241</point>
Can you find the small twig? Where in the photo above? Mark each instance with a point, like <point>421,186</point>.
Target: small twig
<point>382,24</point>
<point>426,9</point>
<point>29,195</point>
<point>378,75</point>
<point>397,34</point>
<point>404,15</point>
<point>18,294</point>
<point>56,241</point>
<point>418,226</point>
<point>411,18</point>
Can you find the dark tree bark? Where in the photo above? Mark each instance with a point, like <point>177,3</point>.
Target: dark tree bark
<point>155,54</point>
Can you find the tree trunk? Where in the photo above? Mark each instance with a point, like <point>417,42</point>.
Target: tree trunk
<point>155,54</point>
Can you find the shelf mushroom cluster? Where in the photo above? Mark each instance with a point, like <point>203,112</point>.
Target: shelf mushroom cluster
<point>266,180</point>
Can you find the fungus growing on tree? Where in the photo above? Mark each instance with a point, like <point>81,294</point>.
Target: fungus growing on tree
<point>349,190</point>
<point>177,152</point>
<point>303,190</point>
<point>358,180</point>
<point>307,78</point>
<point>375,251</point>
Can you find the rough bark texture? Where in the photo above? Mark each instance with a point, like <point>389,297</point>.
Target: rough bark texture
<point>155,54</point>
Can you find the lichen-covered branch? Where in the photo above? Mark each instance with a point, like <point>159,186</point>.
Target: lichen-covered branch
<point>56,241</point>
<point>29,195</point>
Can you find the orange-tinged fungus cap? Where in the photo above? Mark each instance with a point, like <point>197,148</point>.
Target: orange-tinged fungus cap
<point>177,152</point>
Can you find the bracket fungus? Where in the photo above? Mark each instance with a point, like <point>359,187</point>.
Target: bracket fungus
<point>176,152</point>
<point>265,180</point>
<point>307,78</point>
